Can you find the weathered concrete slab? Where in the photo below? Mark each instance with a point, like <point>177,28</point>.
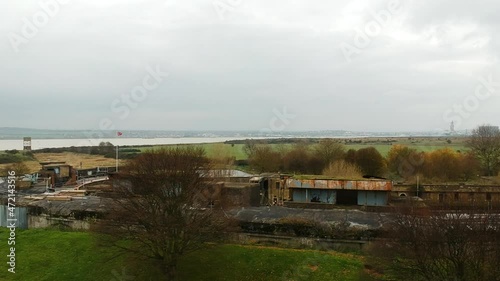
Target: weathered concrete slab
<point>273,213</point>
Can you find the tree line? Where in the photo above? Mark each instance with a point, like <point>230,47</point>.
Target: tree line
<point>331,158</point>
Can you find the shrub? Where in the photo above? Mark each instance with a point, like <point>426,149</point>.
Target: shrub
<point>343,169</point>
<point>9,158</point>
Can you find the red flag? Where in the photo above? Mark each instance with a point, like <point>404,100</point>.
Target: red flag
<point>119,133</point>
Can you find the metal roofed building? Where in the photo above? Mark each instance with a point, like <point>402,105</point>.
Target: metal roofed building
<point>368,192</point>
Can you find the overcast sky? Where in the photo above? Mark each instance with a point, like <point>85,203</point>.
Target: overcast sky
<point>248,65</point>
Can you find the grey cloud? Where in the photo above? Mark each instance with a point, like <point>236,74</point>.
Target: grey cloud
<point>232,73</point>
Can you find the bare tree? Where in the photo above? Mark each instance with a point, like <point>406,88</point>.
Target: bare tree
<point>422,244</point>
<point>265,159</point>
<point>249,148</point>
<point>164,204</point>
<point>222,160</point>
<point>485,143</point>
<point>297,160</point>
<point>329,151</point>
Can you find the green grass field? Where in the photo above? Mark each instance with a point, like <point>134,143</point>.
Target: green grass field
<point>420,144</point>
<point>212,149</point>
<point>384,148</point>
<point>56,255</point>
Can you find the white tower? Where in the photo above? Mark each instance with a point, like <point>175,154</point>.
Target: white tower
<point>27,143</point>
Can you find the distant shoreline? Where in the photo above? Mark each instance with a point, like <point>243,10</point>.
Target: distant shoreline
<point>56,143</point>
<point>151,141</point>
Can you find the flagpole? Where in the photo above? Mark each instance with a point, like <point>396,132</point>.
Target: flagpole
<point>117,158</point>
<point>118,134</point>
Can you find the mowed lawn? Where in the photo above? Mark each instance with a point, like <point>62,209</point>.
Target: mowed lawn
<point>57,255</point>
<point>234,262</point>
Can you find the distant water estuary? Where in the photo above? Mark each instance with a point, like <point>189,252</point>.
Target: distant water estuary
<point>53,143</point>
<point>12,138</point>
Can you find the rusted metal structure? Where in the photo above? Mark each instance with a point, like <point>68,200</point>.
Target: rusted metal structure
<point>272,188</point>
<point>59,173</point>
<point>334,191</point>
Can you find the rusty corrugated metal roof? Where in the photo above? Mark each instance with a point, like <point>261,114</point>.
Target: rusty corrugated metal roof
<point>382,185</point>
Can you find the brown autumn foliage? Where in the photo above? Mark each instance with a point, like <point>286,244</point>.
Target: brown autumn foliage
<point>370,161</point>
<point>20,168</point>
<point>301,160</point>
<point>442,164</point>
<point>343,169</point>
<point>298,159</point>
<point>405,162</point>
<point>448,165</point>
<point>350,156</point>
<point>439,165</point>
<point>401,162</point>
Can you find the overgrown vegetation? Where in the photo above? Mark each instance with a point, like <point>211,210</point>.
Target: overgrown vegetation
<point>300,227</point>
<point>422,244</point>
<point>56,255</point>
<point>343,169</point>
<point>20,168</point>
<point>105,149</point>
<point>402,163</point>
<point>15,156</point>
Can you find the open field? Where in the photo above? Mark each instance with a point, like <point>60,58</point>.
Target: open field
<point>56,255</point>
<point>74,159</point>
<point>33,166</point>
<point>212,149</point>
<point>383,145</point>
<point>384,148</point>
<point>425,144</point>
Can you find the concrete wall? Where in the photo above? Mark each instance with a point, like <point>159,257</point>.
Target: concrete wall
<point>458,195</point>
<point>241,195</point>
<point>44,221</point>
<point>20,214</point>
<point>297,242</point>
